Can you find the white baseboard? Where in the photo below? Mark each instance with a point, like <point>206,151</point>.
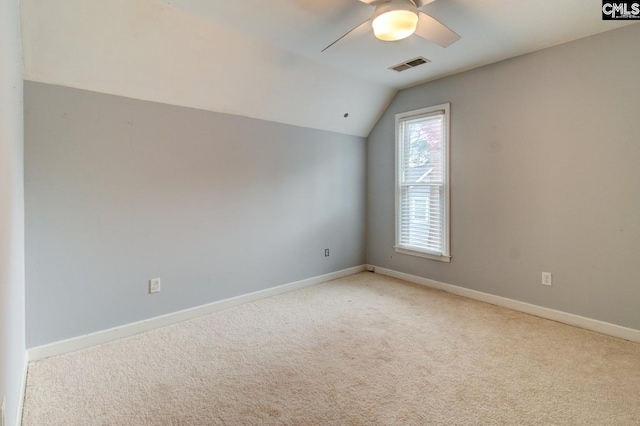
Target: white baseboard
<point>23,389</point>
<point>105,336</point>
<point>552,314</point>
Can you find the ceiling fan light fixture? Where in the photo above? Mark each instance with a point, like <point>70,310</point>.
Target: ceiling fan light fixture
<point>395,20</point>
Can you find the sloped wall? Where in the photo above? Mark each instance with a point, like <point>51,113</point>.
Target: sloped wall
<point>156,51</point>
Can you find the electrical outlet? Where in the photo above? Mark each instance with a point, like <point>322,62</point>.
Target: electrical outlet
<point>326,252</point>
<point>154,285</point>
<point>546,278</point>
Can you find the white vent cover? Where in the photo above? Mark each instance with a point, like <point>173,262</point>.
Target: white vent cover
<point>411,63</point>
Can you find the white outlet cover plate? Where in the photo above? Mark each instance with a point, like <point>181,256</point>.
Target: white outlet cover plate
<point>154,285</point>
<point>546,278</point>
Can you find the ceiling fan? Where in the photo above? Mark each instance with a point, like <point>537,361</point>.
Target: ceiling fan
<point>394,20</point>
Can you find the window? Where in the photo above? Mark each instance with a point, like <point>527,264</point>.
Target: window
<point>422,183</point>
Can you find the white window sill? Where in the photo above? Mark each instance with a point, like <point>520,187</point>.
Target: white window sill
<point>432,256</point>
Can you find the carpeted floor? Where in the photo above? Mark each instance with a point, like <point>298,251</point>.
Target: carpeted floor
<point>362,350</point>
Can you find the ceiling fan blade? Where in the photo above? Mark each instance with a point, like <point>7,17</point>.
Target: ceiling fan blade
<point>359,30</point>
<point>434,31</point>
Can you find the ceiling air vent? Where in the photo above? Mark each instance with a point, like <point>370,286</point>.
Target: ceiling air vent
<point>411,63</point>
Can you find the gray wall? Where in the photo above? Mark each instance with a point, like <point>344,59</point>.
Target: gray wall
<point>12,304</point>
<point>545,163</point>
<point>119,191</point>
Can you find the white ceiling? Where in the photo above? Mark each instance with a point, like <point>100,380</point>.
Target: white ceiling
<point>262,59</point>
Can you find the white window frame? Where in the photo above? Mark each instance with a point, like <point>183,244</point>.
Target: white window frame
<point>445,256</point>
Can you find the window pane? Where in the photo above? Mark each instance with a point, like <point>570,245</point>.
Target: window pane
<point>421,219</point>
<point>423,153</point>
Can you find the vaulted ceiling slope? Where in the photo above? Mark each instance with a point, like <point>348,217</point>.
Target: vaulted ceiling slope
<point>262,59</point>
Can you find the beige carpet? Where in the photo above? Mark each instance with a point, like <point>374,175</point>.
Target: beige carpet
<point>363,350</point>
